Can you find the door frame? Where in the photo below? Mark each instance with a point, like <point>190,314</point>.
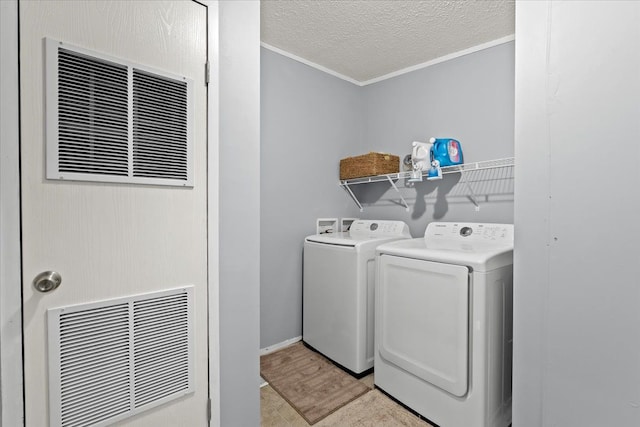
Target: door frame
<point>11,366</point>
<point>12,404</point>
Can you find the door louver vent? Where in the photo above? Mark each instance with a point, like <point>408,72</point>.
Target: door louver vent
<point>159,127</point>
<point>112,121</point>
<point>94,364</point>
<point>113,359</point>
<point>92,115</point>
<point>161,353</point>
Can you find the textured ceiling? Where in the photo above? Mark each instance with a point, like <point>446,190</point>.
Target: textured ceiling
<point>366,39</point>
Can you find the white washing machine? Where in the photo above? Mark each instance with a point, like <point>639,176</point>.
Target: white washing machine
<point>338,290</point>
<point>444,323</point>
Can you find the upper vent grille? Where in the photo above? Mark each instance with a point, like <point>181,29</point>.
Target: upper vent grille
<point>110,120</point>
<point>113,359</point>
<point>93,115</point>
<point>159,126</point>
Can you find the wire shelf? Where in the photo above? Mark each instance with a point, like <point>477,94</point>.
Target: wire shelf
<point>463,169</point>
<point>466,167</point>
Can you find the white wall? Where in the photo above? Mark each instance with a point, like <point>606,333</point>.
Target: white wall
<point>577,288</point>
<point>239,201</point>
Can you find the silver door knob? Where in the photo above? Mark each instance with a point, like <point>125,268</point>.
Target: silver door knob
<point>47,281</point>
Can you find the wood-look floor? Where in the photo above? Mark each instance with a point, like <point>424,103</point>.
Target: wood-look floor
<point>373,409</point>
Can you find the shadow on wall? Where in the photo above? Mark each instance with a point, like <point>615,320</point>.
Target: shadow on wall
<point>415,193</point>
<point>425,188</point>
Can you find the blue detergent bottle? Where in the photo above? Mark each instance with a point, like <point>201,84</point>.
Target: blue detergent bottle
<point>447,151</point>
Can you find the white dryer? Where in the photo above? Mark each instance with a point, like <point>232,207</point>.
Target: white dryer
<point>444,323</point>
<point>338,290</point>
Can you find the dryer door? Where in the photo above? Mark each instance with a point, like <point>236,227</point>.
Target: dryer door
<point>422,320</point>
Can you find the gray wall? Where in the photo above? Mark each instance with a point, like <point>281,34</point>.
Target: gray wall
<point>471,99</point>
<point>310,120</point>
<point>577,289</point>
<point>239,211</point>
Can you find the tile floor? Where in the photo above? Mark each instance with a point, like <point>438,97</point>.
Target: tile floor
<point>276,412</point>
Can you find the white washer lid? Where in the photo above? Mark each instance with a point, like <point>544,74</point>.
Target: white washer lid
<point>342,239</point>
<point>483,247</point>
<point>364,230</point>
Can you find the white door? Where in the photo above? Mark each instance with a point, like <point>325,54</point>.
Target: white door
<point>422,320</point>
<point>110,240</point>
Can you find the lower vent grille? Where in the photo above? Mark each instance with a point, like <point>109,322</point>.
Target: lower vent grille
<point>113,359</point>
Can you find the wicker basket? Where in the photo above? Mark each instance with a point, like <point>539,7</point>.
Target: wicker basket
<point>369,165</point>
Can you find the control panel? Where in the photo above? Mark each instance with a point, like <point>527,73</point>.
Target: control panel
<point>379,228</point>
<point>470,232</point>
